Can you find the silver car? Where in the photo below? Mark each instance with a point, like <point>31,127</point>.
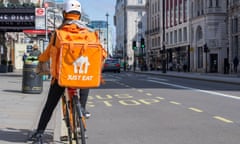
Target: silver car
<point>111,65</point>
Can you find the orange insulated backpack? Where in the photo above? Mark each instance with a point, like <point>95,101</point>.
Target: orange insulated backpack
<point>81,57</point>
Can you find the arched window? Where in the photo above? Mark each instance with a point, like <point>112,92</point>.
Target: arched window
<point>210,3</point>
<point>199,33</point>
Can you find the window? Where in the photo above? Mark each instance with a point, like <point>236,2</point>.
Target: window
<point>175,36</point>
<point>199,33</point>
<point>159,40</point>
<point>167,39</point>
<point>176,15</point>
<point>140,1</point>
<point>140,14</point>
<point>235,44</point>
<point>181,13</point>
<point>200,57</point>
<point>185,36</point>
<point>217,3</point>
<point>180,35</point>
<point>235,25</point>
<point>210,3</point>
<point>185,10</point>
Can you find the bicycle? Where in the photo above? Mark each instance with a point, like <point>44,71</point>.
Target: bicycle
<point>73,117</point>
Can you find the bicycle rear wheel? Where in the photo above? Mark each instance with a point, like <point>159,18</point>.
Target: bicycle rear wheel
<point>79,122</point>
<point>67,121</point>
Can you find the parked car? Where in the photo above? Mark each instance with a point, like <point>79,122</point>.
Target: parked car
<point>112,65</point>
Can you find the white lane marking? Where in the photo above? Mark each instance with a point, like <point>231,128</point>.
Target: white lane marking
<point>198,90</point>
<point>152,78</point>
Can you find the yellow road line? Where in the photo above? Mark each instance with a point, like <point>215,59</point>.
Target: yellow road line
<point>195,109</point>
<point>140,90</point>
<point>176,103</point>
<point>148,94</point>
<point>161,98</point>
<point>223,119</point>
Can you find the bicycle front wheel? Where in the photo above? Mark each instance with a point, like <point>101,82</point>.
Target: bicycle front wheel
<point>79,122</point>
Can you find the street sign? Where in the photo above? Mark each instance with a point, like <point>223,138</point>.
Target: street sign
<point>17,19</point>
<point>40,18</point>
<point>40,11</point>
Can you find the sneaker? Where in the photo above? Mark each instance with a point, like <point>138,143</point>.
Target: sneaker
<point>86,114</point>
<point>36,138</point>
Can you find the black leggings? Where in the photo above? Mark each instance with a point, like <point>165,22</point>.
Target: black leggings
<point>54,94</point>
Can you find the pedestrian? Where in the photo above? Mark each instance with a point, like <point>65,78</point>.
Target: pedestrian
<point>35,52</point>
<point>235,64</point>
<point>71,13</point>
<point>24,57</point>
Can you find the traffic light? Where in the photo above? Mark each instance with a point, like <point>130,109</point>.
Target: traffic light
<point>205,48</point>
<point>134,45</point>
<point>142,43</point>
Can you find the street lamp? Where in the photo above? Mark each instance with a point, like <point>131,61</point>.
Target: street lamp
<point>46,26</point>
<point>107,32</point>
<point>163,38</point>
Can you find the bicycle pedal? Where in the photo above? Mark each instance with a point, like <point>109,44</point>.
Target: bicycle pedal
<point>63,138</point>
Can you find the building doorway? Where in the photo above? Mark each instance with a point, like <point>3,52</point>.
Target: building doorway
<point>213,63</point>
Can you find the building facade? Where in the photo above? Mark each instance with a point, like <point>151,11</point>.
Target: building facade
<point>197,35</point>
<point>154,33</point>
<point>130,22</point>
<point>105,34</point>
<point>233,30</point>
<point>208,32</point>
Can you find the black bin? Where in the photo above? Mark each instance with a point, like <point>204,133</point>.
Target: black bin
<point>31,82</point>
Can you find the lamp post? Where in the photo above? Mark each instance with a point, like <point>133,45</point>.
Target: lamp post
<point>163,38</point>
<point>46,26</point>
<point>107,33</point>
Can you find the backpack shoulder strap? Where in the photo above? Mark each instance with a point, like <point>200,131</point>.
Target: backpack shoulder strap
<point>54,38</point>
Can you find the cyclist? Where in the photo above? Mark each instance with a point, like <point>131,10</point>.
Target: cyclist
<point>71,12</point>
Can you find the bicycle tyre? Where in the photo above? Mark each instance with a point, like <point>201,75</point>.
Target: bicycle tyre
<point>79,130</point>
<point>67,121</point>
<point>69,129</point>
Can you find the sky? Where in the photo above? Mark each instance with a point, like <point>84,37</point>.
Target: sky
<point>97,9</point>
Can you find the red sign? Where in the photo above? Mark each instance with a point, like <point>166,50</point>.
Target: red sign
<point>40,11</point>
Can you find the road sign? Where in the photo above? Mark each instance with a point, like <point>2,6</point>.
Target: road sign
<point>40,11</point>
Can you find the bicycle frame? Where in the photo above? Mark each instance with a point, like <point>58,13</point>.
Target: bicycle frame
<point>73,115</point>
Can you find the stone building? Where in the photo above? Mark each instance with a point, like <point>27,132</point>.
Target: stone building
<point>233,31</point>
<point>130,21</point>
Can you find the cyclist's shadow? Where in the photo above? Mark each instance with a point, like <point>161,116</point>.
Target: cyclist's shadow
<point>18,135</point>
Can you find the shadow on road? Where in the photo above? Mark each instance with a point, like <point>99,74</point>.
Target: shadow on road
<point>20,135</point>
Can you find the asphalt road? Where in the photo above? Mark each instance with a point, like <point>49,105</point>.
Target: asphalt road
<point>146,109</point>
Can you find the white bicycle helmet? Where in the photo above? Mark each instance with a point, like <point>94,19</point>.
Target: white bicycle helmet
<point>72,6</point>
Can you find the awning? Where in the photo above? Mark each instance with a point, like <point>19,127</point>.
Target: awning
<point>36,32</point>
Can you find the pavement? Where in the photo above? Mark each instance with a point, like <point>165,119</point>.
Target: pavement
<point>19,112</point>
<point>232,78</point>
